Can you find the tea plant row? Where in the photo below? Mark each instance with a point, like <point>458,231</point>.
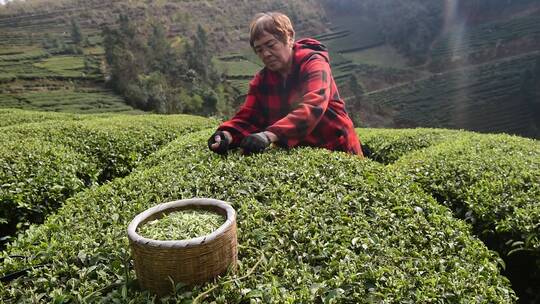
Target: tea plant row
<point>491,181</point>
<point>66,101</point>
<point>314,226</point>
<point>43,164</point>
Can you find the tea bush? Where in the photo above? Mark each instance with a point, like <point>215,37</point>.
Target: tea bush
<point>117,144</point>
<point>314,227</point>
<point>35,177</point>
<point>388,145</point>
<point>493,180</point>
<point>10,116</point>
<point>42,164</point>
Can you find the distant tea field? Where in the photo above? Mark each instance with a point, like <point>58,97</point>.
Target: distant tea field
<point>33,79</point>
<point>481,98</point>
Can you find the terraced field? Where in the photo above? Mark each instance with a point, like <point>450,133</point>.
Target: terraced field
<point>349,34</point>
<point>383,55</point>
<point>355,47</point>
<point>486,40</point>
<point>481,98</point>
<point>33,79</point>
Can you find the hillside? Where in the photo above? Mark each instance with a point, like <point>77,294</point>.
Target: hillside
<point>41,67</point>
<point>476,61</point>
<point>314,226</point>
<point>473,76</point>
<point>482,98</point>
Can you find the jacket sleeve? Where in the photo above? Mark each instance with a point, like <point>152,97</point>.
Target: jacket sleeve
<point>315,80</point>
<point>248,119</point>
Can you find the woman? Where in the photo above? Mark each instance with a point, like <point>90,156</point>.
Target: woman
<point>293,101</point>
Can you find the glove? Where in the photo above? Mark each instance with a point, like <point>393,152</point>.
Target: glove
<point>366,150</point>
<point>255,143</point>
<point>223,143</point>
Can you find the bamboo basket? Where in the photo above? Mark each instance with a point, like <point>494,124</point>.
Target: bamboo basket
<point>191,261</point>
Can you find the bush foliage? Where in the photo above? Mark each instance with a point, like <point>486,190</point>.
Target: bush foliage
<point>116,143</point>
<point>492,180</point>
<point>314,227</point>
<point>36,176</point>
<point>43,164</point>
<point>9,116</point>
<point>388,145</point>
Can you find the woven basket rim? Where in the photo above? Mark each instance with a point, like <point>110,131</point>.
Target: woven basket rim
<point>139,239</point>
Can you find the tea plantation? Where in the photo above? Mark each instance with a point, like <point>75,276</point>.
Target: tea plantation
<point>314,226</point>
<point>34,78</point>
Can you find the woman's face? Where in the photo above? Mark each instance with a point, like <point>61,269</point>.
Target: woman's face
<point>276,55</point>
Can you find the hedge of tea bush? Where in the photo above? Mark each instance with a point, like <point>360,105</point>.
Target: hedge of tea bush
<point>493,180</point>
<point>117,144</point>
<point>42,164</point>
<point>388,145</point>
<point>10,116</point>
<point>35,177</point>
<point>314,227</point>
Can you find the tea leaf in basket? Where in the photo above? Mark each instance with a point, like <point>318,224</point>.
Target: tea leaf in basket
<point>182,225</point>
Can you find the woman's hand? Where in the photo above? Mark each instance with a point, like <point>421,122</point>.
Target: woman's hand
<point>219,142</point>
<point>257,142</point>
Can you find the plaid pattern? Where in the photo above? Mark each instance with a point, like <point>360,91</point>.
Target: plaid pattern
<point>303,110</point>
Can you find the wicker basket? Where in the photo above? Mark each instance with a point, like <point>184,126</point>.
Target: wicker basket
<point>191,261</point>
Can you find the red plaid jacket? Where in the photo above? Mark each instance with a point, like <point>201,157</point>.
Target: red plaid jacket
<point>303,110</point>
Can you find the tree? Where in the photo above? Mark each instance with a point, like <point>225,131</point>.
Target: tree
<point>153,75</point>
<point>198,53</point>
<point>76,33</point>
<point>159,47</point>
<point>410,26</point>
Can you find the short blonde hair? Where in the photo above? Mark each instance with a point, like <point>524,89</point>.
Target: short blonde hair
<point>277,24</point>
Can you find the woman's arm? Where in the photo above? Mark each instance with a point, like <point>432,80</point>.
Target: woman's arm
<point>248,119</point>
